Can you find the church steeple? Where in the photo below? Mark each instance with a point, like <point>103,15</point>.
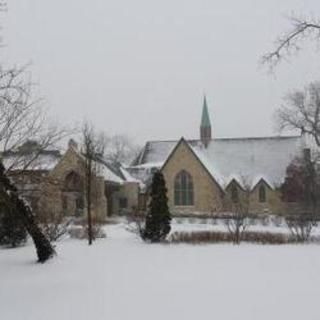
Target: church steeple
<point>205,127</point>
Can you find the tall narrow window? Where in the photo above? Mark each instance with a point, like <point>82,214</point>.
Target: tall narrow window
<point>262,194</point>
<point>183,189</point>
<point>234,194</point>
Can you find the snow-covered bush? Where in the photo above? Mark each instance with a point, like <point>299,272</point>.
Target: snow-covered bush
<point>56,228</point>
<point>197,237</point>
<point>81,232</point>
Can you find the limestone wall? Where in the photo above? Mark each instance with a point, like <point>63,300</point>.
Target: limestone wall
<point>207,194</point>
<point>128,191</point>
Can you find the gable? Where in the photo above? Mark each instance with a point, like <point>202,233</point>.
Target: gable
<point>71,161</point>
<point>253,158</point>
<point>183,156</point>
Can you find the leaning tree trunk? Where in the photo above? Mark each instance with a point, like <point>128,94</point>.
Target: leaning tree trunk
<point>10,195</point>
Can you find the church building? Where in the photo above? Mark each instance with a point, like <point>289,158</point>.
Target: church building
<point>207,175</point>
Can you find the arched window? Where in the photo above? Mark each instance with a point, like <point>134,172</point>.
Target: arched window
<point>73,182</point>
<point>262,194</point>
<point>234,194</point>
<point>183,189</point>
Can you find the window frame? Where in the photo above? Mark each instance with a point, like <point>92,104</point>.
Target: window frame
<point>234,194</point>
<point>183,189</point>
<point>262,194</point>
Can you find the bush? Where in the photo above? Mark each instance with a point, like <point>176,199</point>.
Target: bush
<point>12,231</point>
<point>197,237</point>
<point>55,227</point>
<point>81,232</point>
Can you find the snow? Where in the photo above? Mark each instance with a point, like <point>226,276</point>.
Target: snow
<point>121,278</point>
<point>259,178</point>
<point>208,165</point>
<point>108,175</point>
<point>254,157</point>
<point>149,165</point>
<point>158,151</point>
<point>129,178</point>
<point>43,162</point>
<point>144,172</point>
<point>244,158</point>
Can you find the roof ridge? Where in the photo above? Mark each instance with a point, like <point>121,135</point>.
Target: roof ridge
<point>259,138</point>
<point>231,138</point>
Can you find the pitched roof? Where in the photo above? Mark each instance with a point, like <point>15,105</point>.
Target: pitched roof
<point>34,161</point>
<point>245,158</point>
<point>115,172</point>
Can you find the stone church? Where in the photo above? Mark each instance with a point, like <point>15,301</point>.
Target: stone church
<point>203,176</point>
<point>206,175</point>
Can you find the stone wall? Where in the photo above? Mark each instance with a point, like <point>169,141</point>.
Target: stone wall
<point>73,162</point>
<point>207,193</point>
<point>250,200</point>
<point>273,204</point>
<point>128,191</point>
<point>208,196</point>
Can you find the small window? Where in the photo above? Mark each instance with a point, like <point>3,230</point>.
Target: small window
<point>262,194</point>
<point>123,203</point>
<point>234,194</point>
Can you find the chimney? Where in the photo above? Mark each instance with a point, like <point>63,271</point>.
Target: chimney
<point>73,144</point>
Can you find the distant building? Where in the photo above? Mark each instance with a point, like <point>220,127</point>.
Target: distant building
<point>54,182</point>
<point>201,175</point>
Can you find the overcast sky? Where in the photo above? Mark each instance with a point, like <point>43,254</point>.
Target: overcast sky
<point>141,67</point>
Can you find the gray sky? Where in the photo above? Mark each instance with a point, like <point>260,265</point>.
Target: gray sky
<point>141,67</point>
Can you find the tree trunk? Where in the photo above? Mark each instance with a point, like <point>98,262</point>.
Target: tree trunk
<point>9,193</point>
<point>89,178</point>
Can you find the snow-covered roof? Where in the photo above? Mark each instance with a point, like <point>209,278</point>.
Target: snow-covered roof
<point>45,161</point>
<point>115,172</point>
<point>127,176</point>
<point>252,159</point>
<point>109,175</point>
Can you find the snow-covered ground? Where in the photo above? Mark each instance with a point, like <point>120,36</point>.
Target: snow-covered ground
<point>120,278</point>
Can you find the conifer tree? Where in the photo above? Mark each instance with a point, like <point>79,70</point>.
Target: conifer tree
<point>9,196</point>
<point>158,217</point>
<point>12,231</point>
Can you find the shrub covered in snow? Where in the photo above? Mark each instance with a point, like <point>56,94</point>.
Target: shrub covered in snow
<point>81,232</point>
<point>196,237</point>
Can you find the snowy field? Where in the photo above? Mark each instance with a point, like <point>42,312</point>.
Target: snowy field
<point>120,278</point>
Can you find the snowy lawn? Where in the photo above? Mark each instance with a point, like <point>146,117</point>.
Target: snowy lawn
<point>121,278</point>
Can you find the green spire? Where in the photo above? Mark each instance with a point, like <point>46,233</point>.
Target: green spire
<point>205,121</point>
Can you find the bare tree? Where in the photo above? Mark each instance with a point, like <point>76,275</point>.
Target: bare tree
<point>238,204</point>
<point>290,42</point>
<point>52,219</point>
<point>93,150</point>
<point>302,112</point>
<point>22,119</point>
<point>121,149</point>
